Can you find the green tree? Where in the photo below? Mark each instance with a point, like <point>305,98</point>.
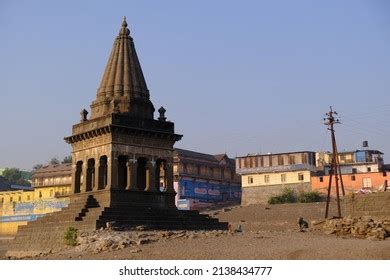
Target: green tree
<point>54,160</point>
<point>37,166</point>
<point>14,176</point>
<point>67,159</point>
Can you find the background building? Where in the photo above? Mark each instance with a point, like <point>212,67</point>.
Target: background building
<point>263,176</point>
<point>202,180</point>
<point>50,187</point>
<point>362,170</point>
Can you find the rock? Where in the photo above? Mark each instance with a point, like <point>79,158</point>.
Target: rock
<point>144,241</point>
<point>192,236</point>
<point>363,227</point>
<point>135,250</point>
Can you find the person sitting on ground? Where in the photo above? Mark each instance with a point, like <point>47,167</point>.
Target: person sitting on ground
<point>303,225</point>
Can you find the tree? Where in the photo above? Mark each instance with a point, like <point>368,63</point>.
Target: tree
<point>37,166</point>
<point>54,160</point>
<point>67,159</point>
<point>14,176</point>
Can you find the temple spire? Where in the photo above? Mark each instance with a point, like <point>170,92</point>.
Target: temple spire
<point>123,81</point>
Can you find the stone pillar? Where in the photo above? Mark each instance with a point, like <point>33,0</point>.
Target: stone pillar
<point>150,176</point>
<point>131,174</point>
<point>83,186</point>
<point>74,177</point>
<point>95,185</point>
<point>169,177</point>
<point>112,172</point>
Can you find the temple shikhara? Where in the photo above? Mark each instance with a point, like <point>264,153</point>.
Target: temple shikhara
<point>122,162</point>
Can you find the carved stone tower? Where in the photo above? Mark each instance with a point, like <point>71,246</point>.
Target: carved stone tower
<point>121,148</point>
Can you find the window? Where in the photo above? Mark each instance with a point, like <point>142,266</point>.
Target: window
<point>384,174</point>
<point>198,170</point>
<point>283,177</point>
<point>266,178</point>
<point>40,194</point>
<point>11,199</point>
<point>321,179</point>
<point>250,180</point>
<point>354,170</point>
<point>368,169</point>
<point>51,193</point>
<point>28,197</point>
<point>291,159</point>
<point>353,178</point>
<point>19,198</point>
<point>300,177</point>
<point>367,183</point>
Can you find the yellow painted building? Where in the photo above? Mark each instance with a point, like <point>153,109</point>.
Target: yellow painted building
<point>50,188</point>
<point>263,176</point>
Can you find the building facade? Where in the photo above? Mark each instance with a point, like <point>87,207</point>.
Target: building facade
<point>203,180</point>
<point>49,192</point>
<point>266,175</point>
<point>361,170</point>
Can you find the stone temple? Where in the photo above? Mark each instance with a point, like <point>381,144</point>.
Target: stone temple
<point>122,162</point>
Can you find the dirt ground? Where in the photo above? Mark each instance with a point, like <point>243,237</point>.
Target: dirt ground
<point>268,232</point>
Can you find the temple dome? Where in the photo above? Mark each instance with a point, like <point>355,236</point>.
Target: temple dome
<point>123,88</point>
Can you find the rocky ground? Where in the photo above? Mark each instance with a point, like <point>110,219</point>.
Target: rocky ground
<point>257,232</point>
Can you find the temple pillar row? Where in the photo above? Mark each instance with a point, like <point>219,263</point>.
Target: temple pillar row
<point>122,172</point>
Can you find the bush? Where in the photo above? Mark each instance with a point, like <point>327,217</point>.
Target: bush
<point>290,196</point>
<point>307,197</point>
<point>71,236</point>
<point>287,196</point>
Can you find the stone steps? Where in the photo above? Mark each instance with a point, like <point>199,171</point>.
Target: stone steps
<point>85,213</point>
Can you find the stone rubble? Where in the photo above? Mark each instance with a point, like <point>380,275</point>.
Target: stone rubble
<point>363,227</point>
<point>110,240</point>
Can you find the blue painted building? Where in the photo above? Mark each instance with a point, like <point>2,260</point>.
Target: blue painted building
<point>203,180</point>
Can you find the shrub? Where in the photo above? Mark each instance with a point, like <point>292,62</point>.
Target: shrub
<point>288,196</point>
<point>307,197</point>
<point>70,236</point>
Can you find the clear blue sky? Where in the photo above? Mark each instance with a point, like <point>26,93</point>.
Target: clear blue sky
<point>235,76</point>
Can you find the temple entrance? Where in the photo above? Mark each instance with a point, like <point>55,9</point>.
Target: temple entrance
<point>90,175</point>
<point>141,173</point>
<point>102,173</point>
<point>79,171</point>
<point>122,172</point>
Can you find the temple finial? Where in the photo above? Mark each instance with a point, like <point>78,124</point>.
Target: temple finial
<point>124,23</point>
<point>124,30</point>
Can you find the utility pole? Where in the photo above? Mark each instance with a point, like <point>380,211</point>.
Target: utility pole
<point>335,169</point>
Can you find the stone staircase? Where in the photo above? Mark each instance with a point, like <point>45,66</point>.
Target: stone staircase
<point>86,213</point>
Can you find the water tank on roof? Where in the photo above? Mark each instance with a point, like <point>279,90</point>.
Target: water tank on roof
<point>365,144</point>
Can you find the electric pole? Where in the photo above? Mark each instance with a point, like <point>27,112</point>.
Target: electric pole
<point>335,169</point>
